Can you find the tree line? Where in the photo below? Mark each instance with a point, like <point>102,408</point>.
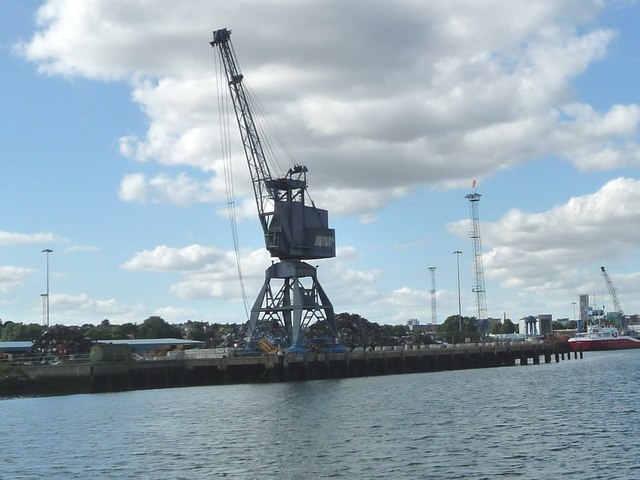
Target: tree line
<point>354,330</point>
<point>152,327</point>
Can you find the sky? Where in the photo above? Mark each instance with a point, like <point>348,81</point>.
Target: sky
<point>111,154</point>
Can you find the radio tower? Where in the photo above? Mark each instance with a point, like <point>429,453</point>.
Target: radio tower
<point>433,294</point>
<point>478,270</point>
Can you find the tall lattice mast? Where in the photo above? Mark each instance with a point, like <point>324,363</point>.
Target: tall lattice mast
<point>433,294</point>
<point>478,269</point>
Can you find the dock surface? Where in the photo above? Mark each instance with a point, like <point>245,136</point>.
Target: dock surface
<point>183,370</point>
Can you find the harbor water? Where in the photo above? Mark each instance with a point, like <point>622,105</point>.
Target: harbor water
<point>576,419</point>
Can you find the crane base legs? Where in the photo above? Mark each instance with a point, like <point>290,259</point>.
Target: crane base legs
<point>290,300</point>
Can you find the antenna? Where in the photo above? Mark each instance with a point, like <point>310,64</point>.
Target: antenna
<point>478,268</point>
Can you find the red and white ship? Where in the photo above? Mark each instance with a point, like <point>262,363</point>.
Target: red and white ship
<point>602,338</point>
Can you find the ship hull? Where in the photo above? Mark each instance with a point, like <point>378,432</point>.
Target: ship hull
<point>619,343</point>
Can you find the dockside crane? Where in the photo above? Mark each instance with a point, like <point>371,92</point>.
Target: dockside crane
<point>614,299</point>
<point>294,229</point>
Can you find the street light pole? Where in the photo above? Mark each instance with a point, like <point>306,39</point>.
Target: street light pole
<point>457,254</point>
<point>47,251</point>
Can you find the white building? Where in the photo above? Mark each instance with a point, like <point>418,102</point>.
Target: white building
<point>539,325</point>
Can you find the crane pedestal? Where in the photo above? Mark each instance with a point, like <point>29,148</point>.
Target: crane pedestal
<point>290,299</point>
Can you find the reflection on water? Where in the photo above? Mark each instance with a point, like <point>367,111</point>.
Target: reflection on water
<point>577,418</point>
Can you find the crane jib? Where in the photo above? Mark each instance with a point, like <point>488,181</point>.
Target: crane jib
<point>292,230</point>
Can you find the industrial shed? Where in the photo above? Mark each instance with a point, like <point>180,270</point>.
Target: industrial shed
<point>15,347</point>
<point>144,345</point>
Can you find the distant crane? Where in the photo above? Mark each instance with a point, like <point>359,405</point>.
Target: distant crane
<point>293,232</point>
<point>614,299</point>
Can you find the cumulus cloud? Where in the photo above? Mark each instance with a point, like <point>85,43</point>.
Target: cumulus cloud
<point>599,142</point>
<point>83,303</point>
<point>163,258</point>
<point>377,101</point>
<point>545,250</point>
<point>206,272</point>
<point>180,190</point>
<point>81,248</point>
<point>13,277</point>
<point>16,238</point>
<point>115,40</point>
<point>81,308</point>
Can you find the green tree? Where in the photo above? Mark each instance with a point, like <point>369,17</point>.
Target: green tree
<point>399,331</point>
<point>7,331</point>
<point>126,330</point>
<point>96,334</point>
<point>157,327</point>
<point>451,329</point>
<point>507,327</point>
<point>19,332</point>
<point>197,331</point>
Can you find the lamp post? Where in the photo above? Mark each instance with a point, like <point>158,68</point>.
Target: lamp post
<point>457,254</point>
<point>47,251</point>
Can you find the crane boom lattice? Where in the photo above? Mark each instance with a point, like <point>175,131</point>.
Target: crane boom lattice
<point>614,298</point>
<point>478,267</point>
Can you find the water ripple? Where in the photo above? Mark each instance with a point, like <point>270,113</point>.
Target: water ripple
<point>574,419</point>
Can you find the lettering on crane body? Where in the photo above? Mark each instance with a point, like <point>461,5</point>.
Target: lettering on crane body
<point>324,241</point>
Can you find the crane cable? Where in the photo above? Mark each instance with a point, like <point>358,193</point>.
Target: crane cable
<point>225,143</point>
<point>267,132</point>
<point>264,129</point>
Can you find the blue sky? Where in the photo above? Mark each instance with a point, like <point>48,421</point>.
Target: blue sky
<point>111,156</point>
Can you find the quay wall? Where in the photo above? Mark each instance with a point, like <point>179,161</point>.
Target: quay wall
<point>185,371</point>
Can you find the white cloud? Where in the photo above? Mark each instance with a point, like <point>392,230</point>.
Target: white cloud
<point>419,93</point>
<point>16,238</point>
<point>12,278</point>
<point>81,308</point>
<point>81,248</point>
<point>207,273</point>
<point>177,315</point>
<point>180,190</point>
<point>117,39</point>
<point>379,100</point>
<point>221,279</point>
<point>184,122</point>
<point>163,258</point>
<point>594,141</point>
<point>133,188</point>
<point>548,250</point>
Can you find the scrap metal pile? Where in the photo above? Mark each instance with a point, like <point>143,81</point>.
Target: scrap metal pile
<point>61,341</point>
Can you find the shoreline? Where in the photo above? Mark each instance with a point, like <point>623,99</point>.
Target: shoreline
<point>171,372</point>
